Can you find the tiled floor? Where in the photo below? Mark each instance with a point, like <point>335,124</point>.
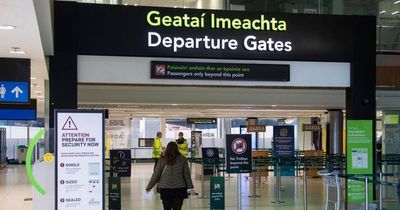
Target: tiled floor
<point>14,188</point>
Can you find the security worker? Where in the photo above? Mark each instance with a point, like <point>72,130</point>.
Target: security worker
<point>182,144</point>
<point>157,148</point>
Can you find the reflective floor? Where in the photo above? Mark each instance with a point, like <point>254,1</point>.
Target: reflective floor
<point>14,189</point>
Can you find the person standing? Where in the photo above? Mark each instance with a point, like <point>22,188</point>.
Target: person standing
<point>157,148</point>
<point>173,177</point>
<point>182,144</point>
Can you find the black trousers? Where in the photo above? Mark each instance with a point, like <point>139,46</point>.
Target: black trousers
<point>174,204</point>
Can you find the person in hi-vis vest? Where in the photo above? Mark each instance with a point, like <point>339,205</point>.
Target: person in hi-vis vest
<point>157,148</point>
<point>182,144</point>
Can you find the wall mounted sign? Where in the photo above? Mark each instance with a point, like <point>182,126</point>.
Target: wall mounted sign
<point>255,128</point>
<point>238,153</point>
<point>219,71</point>
<point>311,127</point>
<point>119,132</point>
<point>80,149</point>
<point>15,80</point>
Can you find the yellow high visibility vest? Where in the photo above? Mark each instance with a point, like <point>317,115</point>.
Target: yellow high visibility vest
<point>183,148</point>
<point>157,148</point>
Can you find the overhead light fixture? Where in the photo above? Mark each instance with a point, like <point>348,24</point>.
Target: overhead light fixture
<point>396,2</point>
<point>33,78</point>
<point>16,50</point>
<point>135,5</point>
<point>393,13</point>
<point>126,4</point>
<point>7,27</point>
<point>383,11</point>
<point>175,6</point>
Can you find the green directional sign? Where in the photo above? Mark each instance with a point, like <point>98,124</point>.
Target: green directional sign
<point>359,158</point>
<point>114,195</point>
<point>217,193</point>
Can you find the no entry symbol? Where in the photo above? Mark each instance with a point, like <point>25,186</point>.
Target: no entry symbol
<point>239,146</point>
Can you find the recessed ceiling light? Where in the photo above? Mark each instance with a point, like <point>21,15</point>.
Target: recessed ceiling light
<point>6,27</point>
<point>175,6</point>
<point>135,5</point>
<point>126,4</point>
<point>396,2</point>
<point>33,78</point>
<point>383,11</point>
<point>393,13</point>
<point>16,50</point>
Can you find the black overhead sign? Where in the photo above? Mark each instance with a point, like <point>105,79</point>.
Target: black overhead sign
<point>219,71</point>
<point>201,120</point>
<point>194,33</point>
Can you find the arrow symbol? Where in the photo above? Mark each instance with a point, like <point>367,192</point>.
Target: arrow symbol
<point>17,91</point>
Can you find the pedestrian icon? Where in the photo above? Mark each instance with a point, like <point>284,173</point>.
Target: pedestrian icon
<point>69,124</point>
<point>17,91</point>
<point>14,92</point>
<point>3,91</point>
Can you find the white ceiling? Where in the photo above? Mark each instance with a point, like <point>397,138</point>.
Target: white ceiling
<point>22,14</point>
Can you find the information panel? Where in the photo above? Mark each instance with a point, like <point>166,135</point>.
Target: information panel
<point>359,158</point>
<point>217,193</point>
<point>284,148</point>
<point>238,153</point>
<point>120,161</point>
<point>219,71</point>
<point>210,157</point>
<point>79,159</point>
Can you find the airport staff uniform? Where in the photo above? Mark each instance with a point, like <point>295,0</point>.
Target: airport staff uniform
<point>157,150</point>
<point>182,146</point>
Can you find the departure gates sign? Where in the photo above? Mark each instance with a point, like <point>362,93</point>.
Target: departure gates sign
<point>194,33</point>
<point>214,21</point>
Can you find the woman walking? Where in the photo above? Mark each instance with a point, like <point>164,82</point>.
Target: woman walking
<point>173,177</point>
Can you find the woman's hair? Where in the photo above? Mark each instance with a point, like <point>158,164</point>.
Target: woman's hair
<point>171,153</point>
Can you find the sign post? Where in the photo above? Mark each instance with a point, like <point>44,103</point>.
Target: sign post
<point>79,180</point>
<point>238,158</point>
<point>359,160</point>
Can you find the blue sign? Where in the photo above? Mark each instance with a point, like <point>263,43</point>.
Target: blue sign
<point>14,91</point>
<point>284,148</point>
<point>17,114</point>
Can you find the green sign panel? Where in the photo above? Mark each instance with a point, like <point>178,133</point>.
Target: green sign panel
<point>391,119</point>
<point>114,193</point>
<point>359,158</point>
<point>217,193</point>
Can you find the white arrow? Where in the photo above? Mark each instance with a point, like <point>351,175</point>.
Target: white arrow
<point>17,91</point>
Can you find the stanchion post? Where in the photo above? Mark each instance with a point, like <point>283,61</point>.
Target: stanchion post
<point>380,191</point>
<point>366,193</point>
<point>305,188</point>
<point>239,189</point>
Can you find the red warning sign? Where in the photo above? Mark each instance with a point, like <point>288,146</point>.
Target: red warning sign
<point>69,124</point>
<point>239,146</point>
